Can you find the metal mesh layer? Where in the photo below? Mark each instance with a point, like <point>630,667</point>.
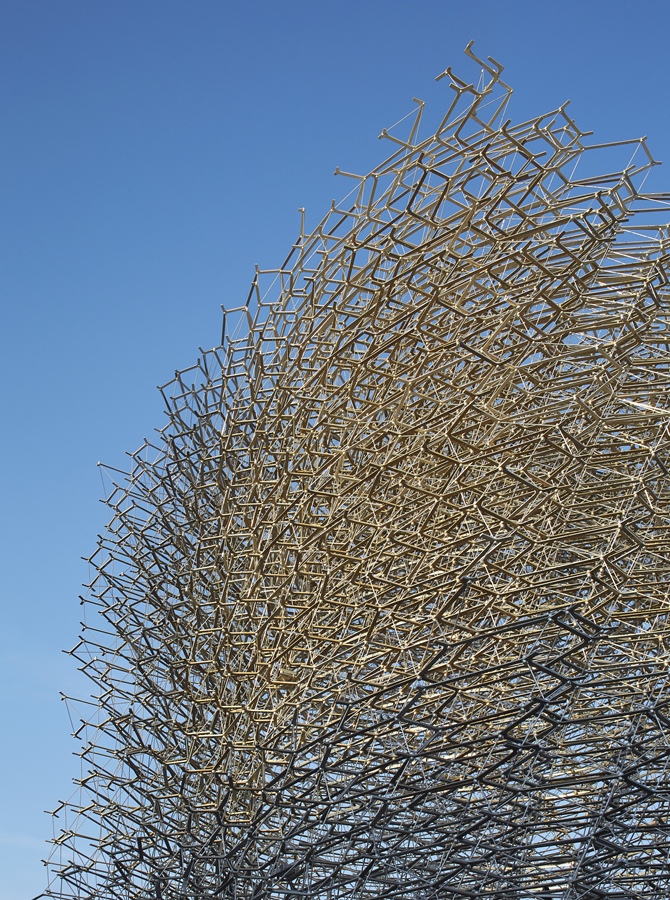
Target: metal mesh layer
<point>384,607</point>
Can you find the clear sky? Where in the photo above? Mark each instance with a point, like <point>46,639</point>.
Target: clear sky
<point>152,152</point>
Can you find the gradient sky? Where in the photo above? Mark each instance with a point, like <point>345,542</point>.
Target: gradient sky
<point>152,152</point>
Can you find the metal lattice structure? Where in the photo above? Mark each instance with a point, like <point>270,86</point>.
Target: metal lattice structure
<point>384,607</point>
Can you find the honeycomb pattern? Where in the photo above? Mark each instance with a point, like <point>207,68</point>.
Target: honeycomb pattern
<point>382,612</point>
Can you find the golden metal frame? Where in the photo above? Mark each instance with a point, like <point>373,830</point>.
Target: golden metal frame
<point>384,608</point>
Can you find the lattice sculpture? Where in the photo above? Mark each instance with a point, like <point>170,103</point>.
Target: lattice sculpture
<point>384,608</point>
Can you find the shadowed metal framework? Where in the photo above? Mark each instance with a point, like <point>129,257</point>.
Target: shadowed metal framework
<point>383,609</point>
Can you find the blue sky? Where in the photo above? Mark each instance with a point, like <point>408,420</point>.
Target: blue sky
<point>152,152</point>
